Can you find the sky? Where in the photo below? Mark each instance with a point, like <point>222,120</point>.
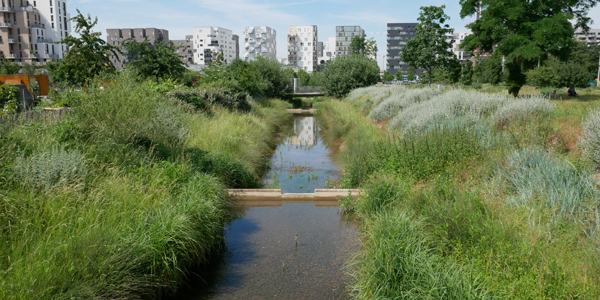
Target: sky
<point>179,16</point>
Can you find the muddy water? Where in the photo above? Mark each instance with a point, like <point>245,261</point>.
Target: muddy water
<point>294,251</point>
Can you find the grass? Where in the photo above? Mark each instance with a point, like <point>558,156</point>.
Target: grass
<point>118,201</point>
<point>493,187</point>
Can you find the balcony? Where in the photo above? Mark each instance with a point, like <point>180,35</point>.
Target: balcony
<point>6,25</point>
<point>12,41</point>
<point>42,26</point>
<point>13,9</point>
<point>45,41</point>
<point>13,55</point>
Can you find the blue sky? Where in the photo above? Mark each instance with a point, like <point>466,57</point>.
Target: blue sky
<point>179,16</point>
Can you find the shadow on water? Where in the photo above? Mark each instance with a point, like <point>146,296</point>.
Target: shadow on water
<point>296,251</point>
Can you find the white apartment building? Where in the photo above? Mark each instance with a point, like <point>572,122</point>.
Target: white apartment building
<point>209,41</point>
<point>302,47</point>
<point>55,20</point>
<point>456,39</point>
<point>260,40</point>
<point>327,51</point>
<point>344,36</point>
<point>590,38</point>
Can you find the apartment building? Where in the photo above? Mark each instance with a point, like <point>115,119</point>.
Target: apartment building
<point>397,36</point>
<point>327,50</point>
<point>186,49</point>
<point>302,47</point>
<point>56,21</point>
<point>24,35</point>
<point>260,40</point>
<point>590,38</point>
<point>209,41</point>
<point>343,38</point>
<point>117,37</point>
<point>456,39</point>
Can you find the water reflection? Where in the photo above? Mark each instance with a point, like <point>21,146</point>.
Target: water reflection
<point>302,163</point>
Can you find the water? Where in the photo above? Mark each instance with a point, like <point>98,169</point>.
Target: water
<point>294,251</point>
<point>302,163</point>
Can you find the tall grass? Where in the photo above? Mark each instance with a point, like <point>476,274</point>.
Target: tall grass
<point>590,140</point>
<point>400,101</point>
<point>118,201</point>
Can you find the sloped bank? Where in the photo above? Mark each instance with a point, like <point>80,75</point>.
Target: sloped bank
<point>120,199</point>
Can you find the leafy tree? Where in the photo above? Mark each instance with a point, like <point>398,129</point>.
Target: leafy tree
<point>346,73</point>
<point>454,70</point>
<point>542,77</point>
<point>467,73</point>
<point>388,76</point>
<point>28,69</point>
<point>524,31</point>
<point>159,61</point>
<point>488,70</point>
<point>304,77</point>
<point>7,67</point>
<point>290,72</point>
<point>411,73</point>
<point>361,45</point>
<point>316,79</point>
<point>428,50</point>
<point>87,56</point>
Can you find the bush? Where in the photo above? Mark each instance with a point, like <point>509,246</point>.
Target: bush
<point>524,108</point>
<point>540,181</point>
<point>51,168</point>
<point>397,102</point>
<point>590,139</point>
<point>543,77</point>
<point>347,73</point>
<point>205,98</point>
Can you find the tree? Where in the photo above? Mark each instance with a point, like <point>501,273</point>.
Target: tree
<point>524,32</point>
<point>346,73</point>
<point>366,47</point>
<point>428,50</point>
<point>411,74</point>
<point>28,69</point>
<point>290,72</point>
<point>488,70</point>
<point>87,55</point>
<point>159,61</point>
<point>304,77</point>
<point>7,67</point>
<point>467,73</point>
<point>388,76</point>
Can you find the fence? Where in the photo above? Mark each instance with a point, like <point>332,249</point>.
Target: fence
<point>47,116</point>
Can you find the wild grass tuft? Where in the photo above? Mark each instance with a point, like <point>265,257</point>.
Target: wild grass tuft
<point>590,140</point>
<point>399,101</point>
<point>51,168</point>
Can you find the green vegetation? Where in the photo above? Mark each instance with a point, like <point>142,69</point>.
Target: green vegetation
<point>428,50</point>
<point>346,73</point>
<point>543,29</point>
<point>159,60</point>
<point>363,46</point>
<point>469,195</point>
<point>87,56</point>
<point>121,198</point>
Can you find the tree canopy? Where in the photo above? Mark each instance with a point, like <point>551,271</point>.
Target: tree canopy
<point>87,55</point>
<point>361,45</point>
<point>525,32</point>
<point>429,49</point>
<point>346,73</point>
<point>158,60</point>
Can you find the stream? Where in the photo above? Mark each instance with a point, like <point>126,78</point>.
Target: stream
<point>293,251</point>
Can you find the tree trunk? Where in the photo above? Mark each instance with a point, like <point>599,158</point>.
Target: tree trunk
<point>516,79</point>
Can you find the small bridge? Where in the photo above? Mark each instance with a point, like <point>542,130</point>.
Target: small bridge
<point>307,91</point>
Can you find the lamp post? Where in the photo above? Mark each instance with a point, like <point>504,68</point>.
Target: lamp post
<point>598,78</point>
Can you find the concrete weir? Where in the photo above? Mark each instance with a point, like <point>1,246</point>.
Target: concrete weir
<point>276,198</point>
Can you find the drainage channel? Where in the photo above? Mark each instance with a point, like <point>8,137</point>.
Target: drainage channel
<point>289,241</point>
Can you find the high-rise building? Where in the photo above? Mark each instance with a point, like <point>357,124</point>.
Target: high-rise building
<point>56,21</point>
<point>260,40</point>
<point>236,39</point>
<point>28,31</point>
<point>302,47</point>
<point>327,51</point>
<point>590,38</point>
<point>186,49</point>
<point>344,36</point>
<point>116,37</point>
<point>210,41</point>
<point>397,36</point>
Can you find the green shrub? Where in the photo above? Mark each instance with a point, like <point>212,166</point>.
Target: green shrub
<point>232,172</point>
<point>205,98</point>
<point>542,77</point>
<point>422,155</point>
<point>398,262</point>
<point>51,168</point>
<point>347,73</point>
